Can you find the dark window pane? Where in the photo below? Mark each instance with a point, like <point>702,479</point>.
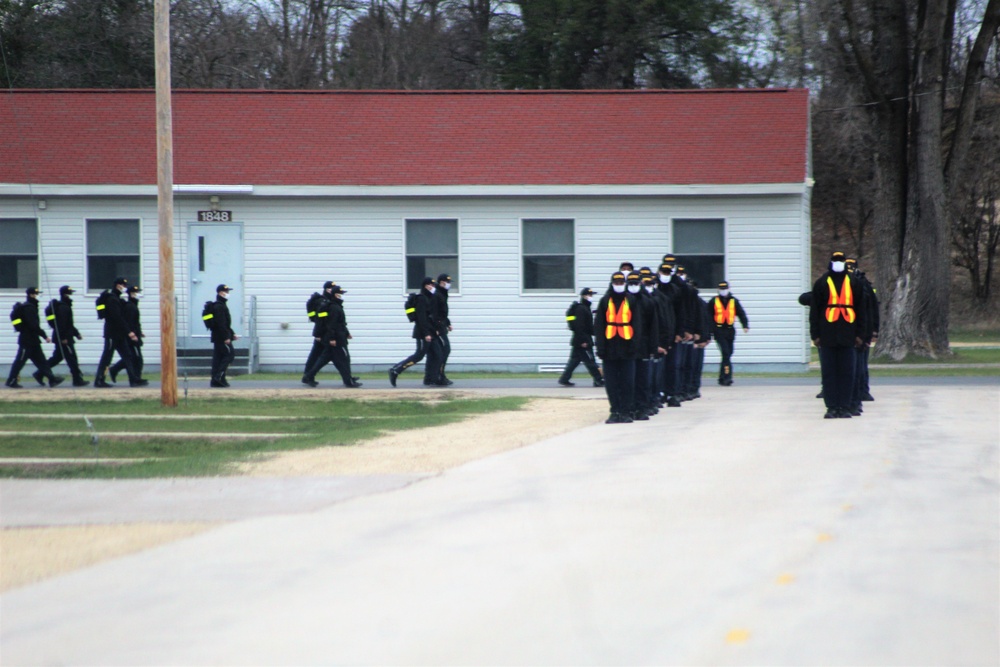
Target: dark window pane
<point>19,236</point>
<point>418,268</point>
<point>431,237</point>
<point>548,237</point>
<point>18,271</point>
<point>548,272</point>
<point>103,270</point>
<point>699,237</point>
<point>708,270</point>
<point>112,237</point>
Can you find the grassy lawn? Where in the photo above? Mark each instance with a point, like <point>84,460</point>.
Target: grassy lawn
<point>202,436</point>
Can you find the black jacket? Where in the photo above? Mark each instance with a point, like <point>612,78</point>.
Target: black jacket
<point>222,321</point>
<point>616,347</point>
<point>839,333</point>
<point>132,318</point>
<point>62,319</point>
<point>581,323</point>
<point>649,333</point>
<point>115,325</point>
<point>336,325</point>
<point>425,323</point>
<point>322,312</point>
<point>31,327</point>
<point>674,292</point>
<point>703,325</point>
<point>441,308</point>
<point>665,319</point>
<point>872,319</point>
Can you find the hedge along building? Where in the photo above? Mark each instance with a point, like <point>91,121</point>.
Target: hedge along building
<point>523,197</point>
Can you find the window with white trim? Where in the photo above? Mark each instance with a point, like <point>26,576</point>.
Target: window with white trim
<point>113,250</point>
<point>431,249</point>
<point>18,253</point>
<point>548,255</point>
<point>700,247</point>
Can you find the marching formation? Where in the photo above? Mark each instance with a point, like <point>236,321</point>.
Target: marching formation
<point>650,330</point>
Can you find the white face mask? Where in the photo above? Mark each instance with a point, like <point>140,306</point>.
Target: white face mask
<point>650,288</point>
<point>137,296</point>
<point>587,299</point>
<point>682,276</point>
<point>634,289</point>
<point>446,286</point>
<point>431,289</point>
<point>619,289</point>
<point>837,267</point>
<point>723,292</point>
<point>123,296</point>
<point>664,277</point>
<point>340,297</point>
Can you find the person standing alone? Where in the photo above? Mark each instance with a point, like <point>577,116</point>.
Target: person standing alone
<point>581,322</point>
<point>725,309</point>
<point>220,323</point>
<point>836,327</point>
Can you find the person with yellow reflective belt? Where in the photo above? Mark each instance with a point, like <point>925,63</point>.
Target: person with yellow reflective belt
<point>836,326</point>
<point>618,319</point>
<point>317,310</point>
<point>725,309</point>
<point>27,324</point>
<point>580,321</point>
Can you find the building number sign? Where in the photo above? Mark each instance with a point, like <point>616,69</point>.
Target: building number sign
<point>215,216</point>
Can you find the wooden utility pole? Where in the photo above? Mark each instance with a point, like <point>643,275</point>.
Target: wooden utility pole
<point>165,204</point>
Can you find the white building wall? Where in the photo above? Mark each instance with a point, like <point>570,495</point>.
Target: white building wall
<point>292,245</point>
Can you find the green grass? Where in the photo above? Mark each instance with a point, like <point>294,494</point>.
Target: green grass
<point>308,423</point>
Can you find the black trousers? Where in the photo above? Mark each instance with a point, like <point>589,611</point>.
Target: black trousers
<point>619,383</point>
<point>124,350</point>
<point>862,380</point>
<point>341,361</point>
<point>137,361</point>
<point>685,368</point>
<point>671,371</point>
<point>222,355</point>
<point>66,351</point>
<point>414,358</point>
<point>725,339</point>
<point>837,365</point>
<point>643,384</point>
<point>445,352</point>
<point>317,349</point>
<point>37,357</point>
<point>577,356</point>
<point>432,368</point>
<point>697,367</point>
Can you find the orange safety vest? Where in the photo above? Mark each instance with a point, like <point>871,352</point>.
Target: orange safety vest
<point>619,321</point>
<point>725,314</point>
<point>840,304</point>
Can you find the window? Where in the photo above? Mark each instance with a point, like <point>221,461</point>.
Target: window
<point>112,251</point>
<point>18,253</point>
<point>431,249</point>
<point>700,247</point>
<point>548,257</point>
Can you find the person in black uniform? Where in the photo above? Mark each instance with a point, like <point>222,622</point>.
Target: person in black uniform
<point>117,335</point>
<point>335,340</point>
<point>131,309</point>
<point>424,332</point>
<point>648,337</point>
<point>618,318</point>
<point>580,320</point>
<point>441,302</point>
<point>703,333</point>
<point>65,334</point>
<point>220,323</point>
<point>29,330</point>
<point>726,309</point>
<point>870,304</point>
<point>665,330</point>
<point>690,306</point>
<point>318,311</point>
<point>674,290</point>
<point>836,326</point>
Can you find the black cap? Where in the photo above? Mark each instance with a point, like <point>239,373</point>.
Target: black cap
<point>723,285</point>
<point>666,268</point>
<point>837,256</point>
<point>617,275</point>
<point>680,269</point>
<point>427,281</point>
<point>586,291</point>
<point>646,271</point>
<point>647,278</point>
<point>66,289</point>
<point>133,289</point>
<point>328,284</point>
<point>634,277</point>
<point>444,277</point>
<point>32,291</point>
<point>621,267</point>
<point>337,289</point>
<point>851,261</point>
<point>223,288</point>
<point>669,259</point>
<point>121,281</point>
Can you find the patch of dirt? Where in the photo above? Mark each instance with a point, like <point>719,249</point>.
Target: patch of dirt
<point>32,554</point>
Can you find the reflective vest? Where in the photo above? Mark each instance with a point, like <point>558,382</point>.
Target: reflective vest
<point>725,314</point>
<point>619,321</point>
<point>840,304</point>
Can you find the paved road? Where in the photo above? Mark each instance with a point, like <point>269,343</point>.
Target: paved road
<point>739,529</point>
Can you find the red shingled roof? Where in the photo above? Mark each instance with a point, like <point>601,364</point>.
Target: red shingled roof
<point>677,137</point>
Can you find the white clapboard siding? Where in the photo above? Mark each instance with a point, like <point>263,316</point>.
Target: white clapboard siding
<point>293,244</point>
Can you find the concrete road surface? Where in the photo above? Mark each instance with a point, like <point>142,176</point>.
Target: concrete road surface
<point>739,529</point>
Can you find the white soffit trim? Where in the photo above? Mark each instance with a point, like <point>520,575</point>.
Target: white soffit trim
<point>20,189</point>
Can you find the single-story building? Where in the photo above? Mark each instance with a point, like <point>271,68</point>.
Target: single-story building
<point>524,198</point>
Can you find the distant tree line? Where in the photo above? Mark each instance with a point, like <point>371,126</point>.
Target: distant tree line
<point>906,93</point>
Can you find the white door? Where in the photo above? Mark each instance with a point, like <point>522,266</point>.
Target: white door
<point>216,257</point>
